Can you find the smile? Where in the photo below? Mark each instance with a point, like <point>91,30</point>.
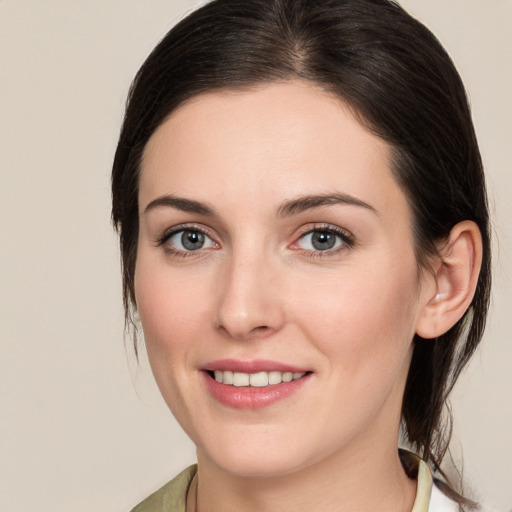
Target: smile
<point>253,384</point>
<point>257,380</point>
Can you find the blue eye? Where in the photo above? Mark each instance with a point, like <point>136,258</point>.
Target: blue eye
<point>187,240</point>
<point>323,240</point>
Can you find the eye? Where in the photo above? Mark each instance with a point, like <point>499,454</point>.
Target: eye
<point>320,241</point>
<point>187,240</point>
<point>324,239</point>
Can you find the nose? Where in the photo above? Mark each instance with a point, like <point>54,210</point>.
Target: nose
<point>249,299</point>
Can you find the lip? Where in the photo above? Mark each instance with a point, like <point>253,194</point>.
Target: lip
<point>252,397</point>
<point>255,366</point>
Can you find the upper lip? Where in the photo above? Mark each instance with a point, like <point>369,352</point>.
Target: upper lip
<point>254,366</point>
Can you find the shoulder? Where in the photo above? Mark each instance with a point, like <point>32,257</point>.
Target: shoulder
<point>171,497</point>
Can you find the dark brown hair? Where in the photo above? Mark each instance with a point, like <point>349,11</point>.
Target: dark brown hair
<point>401,84</point>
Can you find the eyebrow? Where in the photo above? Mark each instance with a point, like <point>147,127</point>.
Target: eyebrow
<point>301,204</point>
<point>180,203</point>
<point>287,209</point>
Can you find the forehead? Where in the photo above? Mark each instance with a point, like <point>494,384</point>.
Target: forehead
<point>274,140</point>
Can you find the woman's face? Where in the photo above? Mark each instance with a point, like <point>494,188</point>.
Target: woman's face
<point>274,245</point>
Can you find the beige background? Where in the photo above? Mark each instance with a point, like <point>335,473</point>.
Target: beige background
<point>81,428</point>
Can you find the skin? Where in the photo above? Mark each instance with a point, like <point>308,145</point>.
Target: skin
<point>259,290</point>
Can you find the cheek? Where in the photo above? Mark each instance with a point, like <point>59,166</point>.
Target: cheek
<point>171,310</point>
<point>365,314</point>
<point>167,301</point>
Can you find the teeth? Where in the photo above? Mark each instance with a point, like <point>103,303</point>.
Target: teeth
<point>275,378</point>
<point>257,380</point>
<point>240,379</point>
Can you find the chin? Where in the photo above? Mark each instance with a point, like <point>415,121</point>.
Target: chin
<point>259,466</point>
<point>260,456</point>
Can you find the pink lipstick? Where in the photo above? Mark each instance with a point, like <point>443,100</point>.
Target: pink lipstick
<point>252,384</point>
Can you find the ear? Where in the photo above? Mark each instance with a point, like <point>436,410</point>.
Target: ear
<point>454,281</point>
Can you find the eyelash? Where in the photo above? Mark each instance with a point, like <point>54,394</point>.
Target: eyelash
<point>172,251</point>
<point>347,240</point>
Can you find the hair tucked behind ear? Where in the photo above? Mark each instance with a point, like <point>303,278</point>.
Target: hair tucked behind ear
<point>402,85</point>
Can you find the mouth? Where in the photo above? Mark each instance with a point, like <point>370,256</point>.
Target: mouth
<point>253,385</point>
<point>255,380</point>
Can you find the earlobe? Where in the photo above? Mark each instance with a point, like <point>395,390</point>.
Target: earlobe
<point>455,279</point>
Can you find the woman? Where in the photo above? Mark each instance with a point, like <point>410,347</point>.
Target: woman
<point>304,233</point>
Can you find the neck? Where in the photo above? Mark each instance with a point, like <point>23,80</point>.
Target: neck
<point>362,481</point>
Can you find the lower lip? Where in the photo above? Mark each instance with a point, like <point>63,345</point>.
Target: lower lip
<point>248,397</point>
